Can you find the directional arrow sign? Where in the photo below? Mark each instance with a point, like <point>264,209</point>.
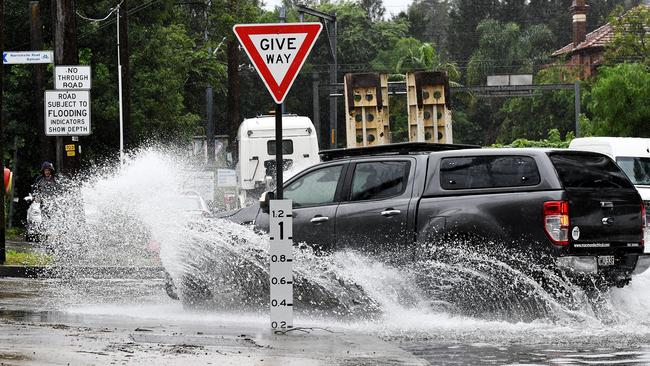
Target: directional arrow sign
<point>278,51</point>
<point>27,57</point>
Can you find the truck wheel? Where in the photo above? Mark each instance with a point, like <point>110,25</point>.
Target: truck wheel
<point>196,292</point>
<point>170,288</point>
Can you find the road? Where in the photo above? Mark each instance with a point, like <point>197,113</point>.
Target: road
<point>51,321</point>
<point>130,321</point>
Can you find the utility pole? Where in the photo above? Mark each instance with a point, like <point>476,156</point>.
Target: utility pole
<point>330,26</point>
<point>65,51</point>
<point>2,134</point>
<point>126,75</point>
<point>233,103</point>
<point>36,24</point>
<point>315,95</point>
<point>333,80</point>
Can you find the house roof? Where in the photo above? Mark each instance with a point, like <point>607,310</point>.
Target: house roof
<point>599,38</point>
<point>596,39</point>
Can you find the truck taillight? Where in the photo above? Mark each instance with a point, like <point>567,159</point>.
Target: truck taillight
<point>556,221</point>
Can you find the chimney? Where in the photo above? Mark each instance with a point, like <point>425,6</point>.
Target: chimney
<point>579,12</point>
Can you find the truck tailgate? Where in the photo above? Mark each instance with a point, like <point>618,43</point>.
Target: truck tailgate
<point>605,209</point>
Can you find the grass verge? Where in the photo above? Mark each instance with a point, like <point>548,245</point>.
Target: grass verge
<point>27,259</point>
<point>15,233</point>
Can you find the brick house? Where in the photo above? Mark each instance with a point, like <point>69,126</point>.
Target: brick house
<point>587,49</point>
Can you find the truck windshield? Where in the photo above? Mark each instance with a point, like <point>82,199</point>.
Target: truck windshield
<point>637,169</point>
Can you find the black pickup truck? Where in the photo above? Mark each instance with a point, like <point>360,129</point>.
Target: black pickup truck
<point>576,207</point>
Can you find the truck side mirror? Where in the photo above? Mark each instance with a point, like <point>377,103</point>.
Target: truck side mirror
<point>265,199</point>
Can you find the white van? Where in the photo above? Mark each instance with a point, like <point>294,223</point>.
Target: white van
<point>256,137</point>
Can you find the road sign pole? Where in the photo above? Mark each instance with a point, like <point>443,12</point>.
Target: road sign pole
<point>278,151</point>
<point>278,51</point>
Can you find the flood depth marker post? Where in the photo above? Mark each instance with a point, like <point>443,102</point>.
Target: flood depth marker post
<point>278,51</point>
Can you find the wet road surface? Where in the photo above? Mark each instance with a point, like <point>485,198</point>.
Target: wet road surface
<point>131,321</point>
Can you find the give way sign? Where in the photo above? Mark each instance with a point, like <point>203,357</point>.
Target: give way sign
<point>278,51</point>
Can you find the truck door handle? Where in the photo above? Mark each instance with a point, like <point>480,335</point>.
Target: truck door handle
<point>319,219</point>
<point>390,212</point>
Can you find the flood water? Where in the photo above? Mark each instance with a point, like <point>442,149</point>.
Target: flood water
<point>468,308</point>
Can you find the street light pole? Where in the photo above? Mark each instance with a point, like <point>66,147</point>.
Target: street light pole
<point>119,83</point>
<point>116,10</point>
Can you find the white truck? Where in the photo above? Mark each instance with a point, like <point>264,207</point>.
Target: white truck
<point>256,139</point>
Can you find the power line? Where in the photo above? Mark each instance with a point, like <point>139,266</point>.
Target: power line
<point>112,10</point>
<point>110,22</point>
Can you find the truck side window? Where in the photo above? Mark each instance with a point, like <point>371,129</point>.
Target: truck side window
<point>488,172</point>
<point>379,179</point>
<point>314,188</point>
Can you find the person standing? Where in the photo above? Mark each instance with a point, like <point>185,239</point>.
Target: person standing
<point>46,187</point>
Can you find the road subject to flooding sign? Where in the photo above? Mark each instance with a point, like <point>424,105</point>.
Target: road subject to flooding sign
<point>67,113</point>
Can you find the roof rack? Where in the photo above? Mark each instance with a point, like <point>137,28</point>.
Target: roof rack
<point>402,148</point>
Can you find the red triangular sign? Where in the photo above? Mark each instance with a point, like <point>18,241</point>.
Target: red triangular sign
<point>278,51</point>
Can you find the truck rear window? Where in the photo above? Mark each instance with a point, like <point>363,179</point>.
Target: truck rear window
<point>473,172</point>
<point>588,171</point>
<point>287,147</point>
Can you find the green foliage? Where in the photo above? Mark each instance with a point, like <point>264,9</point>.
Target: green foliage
<point>531,117</point>
<point>618,101</point>
<point>465,131</point>
<point>409,54</point>
<point>429,21</point>
<point>27,259</point>
<point>171,58</point>
<point>631,40</point>
<point>170,66</point>
<point>553,141</point>
<point>504,48</point>
<point>374,8</point>
<point>14,233</point>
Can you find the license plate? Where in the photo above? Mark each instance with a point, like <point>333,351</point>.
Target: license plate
<point>606,260</point>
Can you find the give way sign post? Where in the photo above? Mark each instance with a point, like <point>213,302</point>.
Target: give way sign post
<point>278,52</point>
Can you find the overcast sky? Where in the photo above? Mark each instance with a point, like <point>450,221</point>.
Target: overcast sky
<point>392,6</point>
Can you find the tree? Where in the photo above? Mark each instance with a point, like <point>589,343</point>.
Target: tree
<point>532,117</point>
<point>553,141</point>
<point>429,22</point>
<point>409,54</point>
<point>465,17</point>
<point>631,40</point>
<point>506,48</point>
<point>171,58</point>
<point>374,8</point>
<point>618,101</point>
<point>224,14</point>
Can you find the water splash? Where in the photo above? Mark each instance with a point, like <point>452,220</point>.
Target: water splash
<point>224,266</point>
